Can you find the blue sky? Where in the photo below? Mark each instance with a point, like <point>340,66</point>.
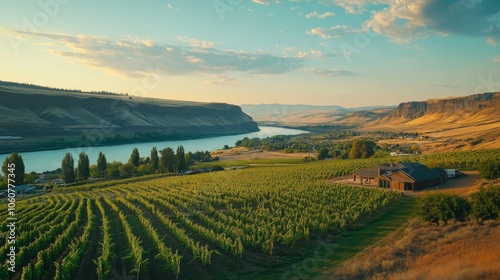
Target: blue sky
<point>343,52</point>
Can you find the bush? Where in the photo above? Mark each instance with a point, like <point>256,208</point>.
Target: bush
<point>486,203</point>
<point>436,207</point>
<point>217,168</point>
<point>489,170</point>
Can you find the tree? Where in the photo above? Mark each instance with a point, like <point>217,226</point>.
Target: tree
<point>322,153</point>
<point>355,151</point>
<point>93,171</point>
<point>486,203</point>
<point>414,148</point>
<point>362,148</point>
<point>154,159</point>
<point>14,164</point>
<point>68,168</point>
<point>436,207</point>
<point>143,169</point>
<point>102,164</point>
<point>134,157</point>
<point>367,148</point>
<point>83,166</point>
<point>126,170</point>
<point>489,170</point>
<point>181,160</point>
<point>30,178</point>
<point>167,160</point>
<point>384,146</point>
<point>217,168</point>
<point>113,169</point>
<point>188,159</point>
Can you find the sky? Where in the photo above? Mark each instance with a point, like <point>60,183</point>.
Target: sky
<point>330,52</point>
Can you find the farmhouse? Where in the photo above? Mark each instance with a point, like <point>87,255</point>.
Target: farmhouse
<point>401,176</point>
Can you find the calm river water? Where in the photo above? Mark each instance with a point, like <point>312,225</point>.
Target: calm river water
<point>51,160</point>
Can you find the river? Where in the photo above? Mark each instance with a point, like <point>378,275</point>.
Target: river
<point>51,160</point>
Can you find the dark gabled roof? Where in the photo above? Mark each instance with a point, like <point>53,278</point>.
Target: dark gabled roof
<point>420,172</point>
<point>415,170</point>
<point>438,171</point>
<point>368,172</point>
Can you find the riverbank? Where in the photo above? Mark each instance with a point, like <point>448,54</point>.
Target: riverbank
<point>47,160</point>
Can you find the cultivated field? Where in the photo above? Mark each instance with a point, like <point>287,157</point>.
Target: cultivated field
<point>218,225</point>
<point>251,223</point>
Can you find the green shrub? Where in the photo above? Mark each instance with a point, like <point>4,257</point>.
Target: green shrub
<point>489,170</point>
<point>486,203</point>
<point>436,207</point>
<point>217,168</point>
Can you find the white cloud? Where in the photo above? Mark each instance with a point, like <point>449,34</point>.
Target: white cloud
<point>328,72</point>
<point>222,80</point>
<point>497,59</point>
<point>196,43</point>
<point>320,16</point>
<point>266,2</point>
<point>405,21</point>
<point>442,85</point>
<point>134,57</point>
<point>335,31</point>
<point>491,41</point>
<point>354,6</point>
<point>311,53</point>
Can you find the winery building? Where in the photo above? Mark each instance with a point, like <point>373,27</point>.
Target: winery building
<point>401,176</point>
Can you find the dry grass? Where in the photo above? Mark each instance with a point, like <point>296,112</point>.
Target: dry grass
<point>469,250</point>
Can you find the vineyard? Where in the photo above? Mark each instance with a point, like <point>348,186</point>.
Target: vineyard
<point>218,225</point>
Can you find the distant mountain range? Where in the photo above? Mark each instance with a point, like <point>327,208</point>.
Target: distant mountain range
<point>60,118</point>
<point>474,117</point>
<point>460,110</point>
<point>303,114</point>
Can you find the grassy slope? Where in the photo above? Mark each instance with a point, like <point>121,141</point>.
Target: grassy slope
<point>428,251</point>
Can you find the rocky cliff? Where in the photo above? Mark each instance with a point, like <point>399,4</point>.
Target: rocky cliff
<point>459,106</point>
<point>41,112</point>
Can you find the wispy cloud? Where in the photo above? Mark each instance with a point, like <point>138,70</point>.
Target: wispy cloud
<point>306,53</point>
<point>321,16</point>
<point>497,59</point>
<point>491,41</point>
<point>354,6</point>
<point>222,80</point>
<point>328,72</point>
<point>405,21</point>
<point>266,2</point>
<point>133,57</point>
<point>335,31</point>
<point>442,85</point>
<point>197,43</point>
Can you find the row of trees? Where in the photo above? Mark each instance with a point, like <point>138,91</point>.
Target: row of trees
<point>361,148</point>
<point>163,161</point>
